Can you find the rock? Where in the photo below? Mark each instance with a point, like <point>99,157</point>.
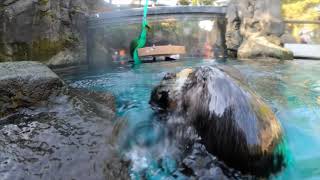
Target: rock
<point>41,29</point>
<point>24,84</point>
<point>57,128</point>
<point>287,38</point>
<point>65,57</point>
<point>202,165</point>
<point>261,47</point>
<point>233,36</point>
<point>233,122</point>
<point>102,103</point>
<point>255,18</point>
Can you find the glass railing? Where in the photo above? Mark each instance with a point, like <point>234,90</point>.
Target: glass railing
<point>201,34</point>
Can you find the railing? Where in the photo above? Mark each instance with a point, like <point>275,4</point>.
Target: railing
<point>133,15</point>
<point>301,22</point>
<point>109,34</point>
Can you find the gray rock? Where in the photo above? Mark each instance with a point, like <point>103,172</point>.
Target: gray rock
<point>254,18</point>
<point>262,47</point>
<point>24,84</point>
<point>40,29</point>
<point>287,38</point>
<point>203,164</point>
<point>66,57</point>
<point>62,134</point>
<point>102,103</point>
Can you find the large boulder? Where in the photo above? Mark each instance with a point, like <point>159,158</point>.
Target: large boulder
<point>24,84</point>
<point>233,123</point>
<point>251,19</point>
<point>262,47</point>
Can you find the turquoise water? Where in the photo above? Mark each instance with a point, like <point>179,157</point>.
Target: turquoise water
<point>291,88</point>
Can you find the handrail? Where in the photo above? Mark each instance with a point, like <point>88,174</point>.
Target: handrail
<point>136,13</point>
<point>301,22</point>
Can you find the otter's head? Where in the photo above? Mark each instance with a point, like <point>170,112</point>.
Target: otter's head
<point>164,96</point>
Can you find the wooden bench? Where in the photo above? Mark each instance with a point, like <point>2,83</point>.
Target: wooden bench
<point>155,51</point>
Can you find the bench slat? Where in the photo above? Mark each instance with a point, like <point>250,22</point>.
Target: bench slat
<point>161,50</point>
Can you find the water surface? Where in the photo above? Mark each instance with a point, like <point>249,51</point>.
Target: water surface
<point>291,88</point>
<point>63,145</point>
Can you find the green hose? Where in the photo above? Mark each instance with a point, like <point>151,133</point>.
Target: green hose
<point>141,41</point>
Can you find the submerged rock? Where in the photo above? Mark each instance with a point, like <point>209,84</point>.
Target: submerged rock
<point>233,123</point>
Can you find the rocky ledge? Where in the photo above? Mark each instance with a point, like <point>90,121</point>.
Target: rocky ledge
<point>24,84</point>
<point>50,130</point>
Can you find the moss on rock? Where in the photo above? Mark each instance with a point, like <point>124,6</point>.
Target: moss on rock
<point>49,28</point>
<point>43,49</point>
<point>21,51</point>
<point>43,2</point>
<point>39,50</point>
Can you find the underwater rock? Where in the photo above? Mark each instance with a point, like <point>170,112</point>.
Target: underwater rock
<point>23,84</point>
<point>233,123</point>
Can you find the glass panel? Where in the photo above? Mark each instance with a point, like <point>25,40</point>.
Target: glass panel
<point>127,4</point>
<point>202,37</point>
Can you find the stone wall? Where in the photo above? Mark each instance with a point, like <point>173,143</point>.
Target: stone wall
<point>254,28</point>
<point>50,31</point>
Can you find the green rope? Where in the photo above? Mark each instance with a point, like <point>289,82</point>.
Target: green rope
<point>141,41</point>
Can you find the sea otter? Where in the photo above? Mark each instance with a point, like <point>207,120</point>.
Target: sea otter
<point>232,121</point>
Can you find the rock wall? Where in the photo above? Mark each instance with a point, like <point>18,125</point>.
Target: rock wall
<point>254,28</point>
<point>42,30</point>
<point>54,31</point>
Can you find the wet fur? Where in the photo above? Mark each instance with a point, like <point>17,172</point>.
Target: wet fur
<point>220,133</point>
